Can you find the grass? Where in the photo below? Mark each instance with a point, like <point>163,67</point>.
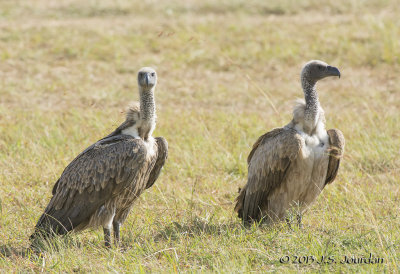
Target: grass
<point>228,72</point>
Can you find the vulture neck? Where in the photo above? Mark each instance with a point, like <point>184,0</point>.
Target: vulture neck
<point>147,113</point>
<point>311,113</point>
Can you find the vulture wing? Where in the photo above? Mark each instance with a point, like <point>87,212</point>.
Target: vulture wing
<point>162,148</point>
<point>268,162</point>
<point>336,150</point>
<point>94,176</point>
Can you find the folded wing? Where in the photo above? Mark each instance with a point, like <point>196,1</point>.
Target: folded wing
<point>269,161</point>
<point>336,150</point>
<point>94,176</point>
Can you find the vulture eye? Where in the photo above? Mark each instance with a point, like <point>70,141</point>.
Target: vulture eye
<point>153,74</point>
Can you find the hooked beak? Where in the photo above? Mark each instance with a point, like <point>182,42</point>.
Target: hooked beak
<point>147,80</point>
<point>333,71</point>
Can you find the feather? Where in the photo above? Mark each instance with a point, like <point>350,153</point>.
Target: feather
<point>93,188</point>
<point>268,161</point>
<point>336,150</point>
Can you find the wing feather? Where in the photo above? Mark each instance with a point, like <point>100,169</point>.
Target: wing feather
<point>162,150</point>
<point>336,150</point>
<point>268,163</point>
<point>93,177</point>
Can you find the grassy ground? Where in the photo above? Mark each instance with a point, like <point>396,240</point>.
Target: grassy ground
<point>228,72</point>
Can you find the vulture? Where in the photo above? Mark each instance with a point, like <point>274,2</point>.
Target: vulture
<point>288,167</point>
<point>100,186</point>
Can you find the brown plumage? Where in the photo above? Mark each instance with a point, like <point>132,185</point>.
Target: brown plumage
<point>336,150</point>
<point>99,187</point>
<point>288,167</point>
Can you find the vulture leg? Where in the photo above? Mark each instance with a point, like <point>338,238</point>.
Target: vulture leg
<point>299,218</point>
<point>107,237</point>
<point>116,226</point>
<point>289,222</point>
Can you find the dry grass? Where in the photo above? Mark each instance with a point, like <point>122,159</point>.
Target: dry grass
<point>68,69</point>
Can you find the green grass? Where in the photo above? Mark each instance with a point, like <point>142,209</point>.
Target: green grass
<point>228,72</point>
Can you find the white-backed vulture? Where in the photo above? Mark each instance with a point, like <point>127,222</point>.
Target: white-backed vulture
<point>289,166</point>
<point>99,187</point>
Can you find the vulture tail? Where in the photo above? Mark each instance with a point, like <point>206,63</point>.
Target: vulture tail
<point>240,202</point>
<point>46,228</point>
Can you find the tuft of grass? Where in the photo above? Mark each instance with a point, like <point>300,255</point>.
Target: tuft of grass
<point>228,72</point>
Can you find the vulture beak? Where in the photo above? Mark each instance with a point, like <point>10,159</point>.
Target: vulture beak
<point>333,71</point>
<point>147,79</point>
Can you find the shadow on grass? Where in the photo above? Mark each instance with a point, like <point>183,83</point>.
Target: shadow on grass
<point>196,227</point>
<point>199,226</point>
<point>38,246</point>
<point>172,231</point>
<point>10,251</point>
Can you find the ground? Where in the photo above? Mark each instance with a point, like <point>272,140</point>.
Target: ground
<point>228,72</point>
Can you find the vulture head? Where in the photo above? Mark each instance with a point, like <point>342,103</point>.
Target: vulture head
<point>147,78</point>
<point>316,70</point>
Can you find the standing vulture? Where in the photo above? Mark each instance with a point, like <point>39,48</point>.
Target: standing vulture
<point>99,187</point>
<point>289,166</point>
